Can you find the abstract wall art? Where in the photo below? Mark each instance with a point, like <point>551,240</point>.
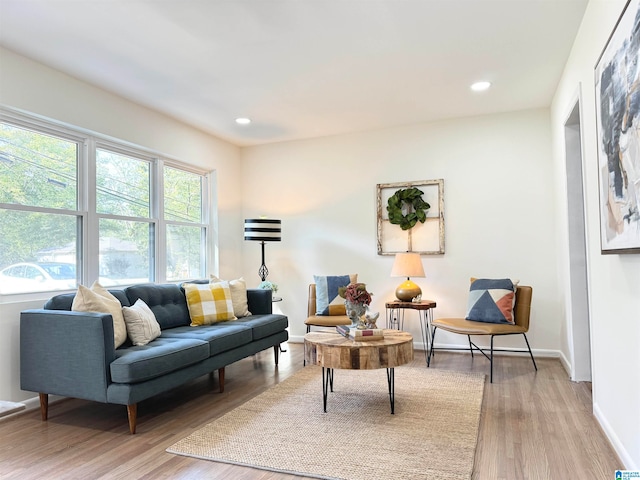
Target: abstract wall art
<point>617,91</point>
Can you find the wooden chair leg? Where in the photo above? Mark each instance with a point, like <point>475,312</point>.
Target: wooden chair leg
<point>44,405</point>
<point>221,379</point>
<point>132,415</point>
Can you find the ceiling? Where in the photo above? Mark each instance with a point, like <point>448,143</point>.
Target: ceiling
<point>303,68</point>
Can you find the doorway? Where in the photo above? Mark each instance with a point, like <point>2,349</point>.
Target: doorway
<point>578,307</point>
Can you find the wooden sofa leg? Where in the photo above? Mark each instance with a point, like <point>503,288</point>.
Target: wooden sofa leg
<point>44,405</point>
<point>276,353</point>
<point>221,378</point>
<point>132,414</point>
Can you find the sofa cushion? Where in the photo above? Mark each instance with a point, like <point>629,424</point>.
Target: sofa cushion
<point>142,326</point>
<point>159,357</point>
<point>264,325</point>
<point>209,303</point>
<point>166,301</point>
<point>221,336</point>
<point>98,299</point>
<point>238,289</point>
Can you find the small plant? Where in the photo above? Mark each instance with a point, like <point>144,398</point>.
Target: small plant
<point>267,285</point>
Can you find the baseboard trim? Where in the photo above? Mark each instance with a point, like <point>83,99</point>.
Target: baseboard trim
<point>617,445</point>
<point>537,352</point>
<point>565,363</point>
<point>32,403</point>
<point>10,408</point>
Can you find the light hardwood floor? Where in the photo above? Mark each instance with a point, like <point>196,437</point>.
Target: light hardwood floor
<point>533,426</point>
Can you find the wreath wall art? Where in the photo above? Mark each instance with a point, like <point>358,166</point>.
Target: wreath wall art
<point>406,207</point>
<point>411,217</point>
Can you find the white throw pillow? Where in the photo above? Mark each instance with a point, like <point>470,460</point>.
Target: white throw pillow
<point>238,295</point>
<point>98,299</point>
<point>142,325</point>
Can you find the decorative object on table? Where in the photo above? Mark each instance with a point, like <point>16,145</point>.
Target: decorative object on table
<point>408,264</point>
<point>410,217</point>
<point>268,285</point>
<point>262,230</point>
<point>371,318</point>
<point>617,113</point>
<point>360,335</point>
<point>357,298</point>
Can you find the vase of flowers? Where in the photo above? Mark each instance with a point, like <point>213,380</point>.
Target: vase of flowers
<point>356,301</point>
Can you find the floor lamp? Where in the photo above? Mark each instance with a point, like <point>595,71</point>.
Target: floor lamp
<point>262,230</point>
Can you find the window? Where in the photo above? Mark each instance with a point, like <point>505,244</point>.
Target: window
<point>140,218</point>
<point>39,219</point>
<point>186,233</point>
<point>126,230</point>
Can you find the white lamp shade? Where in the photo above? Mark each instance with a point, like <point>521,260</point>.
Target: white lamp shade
<point>262,229</point>
<point>407,264</point>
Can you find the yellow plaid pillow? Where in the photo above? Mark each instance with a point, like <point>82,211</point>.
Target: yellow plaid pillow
<point>209,303</point>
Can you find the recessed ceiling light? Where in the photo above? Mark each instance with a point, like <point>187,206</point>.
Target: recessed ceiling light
<point>480,86</point>
<point>243,121</point>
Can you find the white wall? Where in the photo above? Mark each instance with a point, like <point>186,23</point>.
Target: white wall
<point>37,89</point>
<point>614,279</point>
<point>499,212</point>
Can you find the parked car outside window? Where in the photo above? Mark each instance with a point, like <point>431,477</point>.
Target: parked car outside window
<point>37,277</point>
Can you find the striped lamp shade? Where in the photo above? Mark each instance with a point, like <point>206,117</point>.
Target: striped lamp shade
<point>262,229</point>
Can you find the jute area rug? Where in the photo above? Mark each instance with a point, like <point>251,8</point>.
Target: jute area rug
<point>432,435</point>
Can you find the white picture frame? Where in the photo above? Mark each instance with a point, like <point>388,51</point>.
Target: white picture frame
<point>424,238</point>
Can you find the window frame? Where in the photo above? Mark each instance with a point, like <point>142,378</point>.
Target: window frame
<point>205,216</point>
<point>88,219</point>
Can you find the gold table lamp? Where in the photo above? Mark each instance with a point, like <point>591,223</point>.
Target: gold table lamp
<point>408,264</point>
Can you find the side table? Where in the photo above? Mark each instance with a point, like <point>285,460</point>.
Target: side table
<point>395,319</point>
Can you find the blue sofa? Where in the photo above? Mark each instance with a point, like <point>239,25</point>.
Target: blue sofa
<point>72,354</point>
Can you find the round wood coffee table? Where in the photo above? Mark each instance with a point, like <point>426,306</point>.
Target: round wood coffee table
<point>331,350</point>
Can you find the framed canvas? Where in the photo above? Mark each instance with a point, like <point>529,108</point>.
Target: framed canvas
<point>425,238</point>
<point>617,91</point>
